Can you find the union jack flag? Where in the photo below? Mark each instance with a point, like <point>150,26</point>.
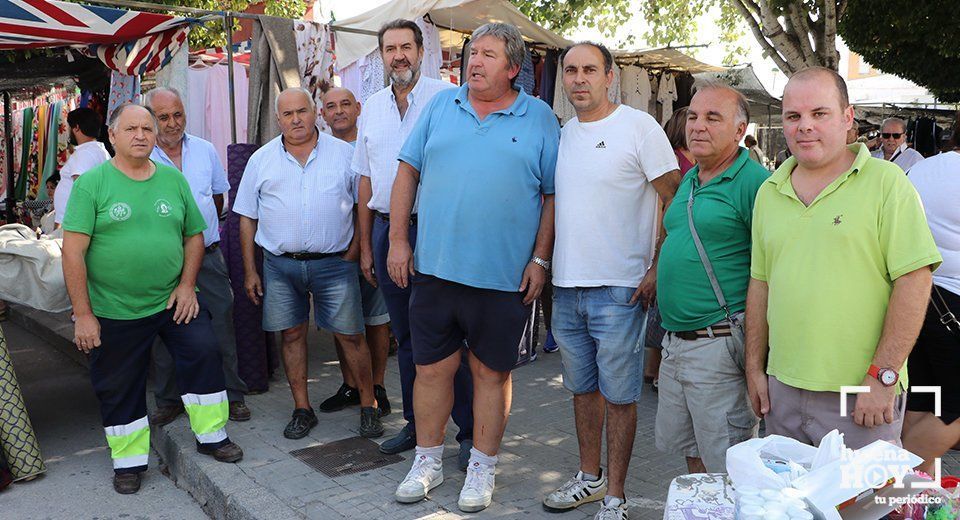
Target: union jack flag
<point>131,42</point>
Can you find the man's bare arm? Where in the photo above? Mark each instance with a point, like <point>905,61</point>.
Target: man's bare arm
<point>757,346</point>
<point>400,256</point>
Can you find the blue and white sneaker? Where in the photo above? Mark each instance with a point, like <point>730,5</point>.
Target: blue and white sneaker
<point>550,345</point>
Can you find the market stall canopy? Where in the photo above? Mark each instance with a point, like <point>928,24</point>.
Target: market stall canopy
<point>50,23</point>
<point>452,17</point>
<point>764,107</point>
<point>667,58</point>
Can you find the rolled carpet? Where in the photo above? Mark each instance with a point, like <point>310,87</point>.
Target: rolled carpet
<point>19,444</point>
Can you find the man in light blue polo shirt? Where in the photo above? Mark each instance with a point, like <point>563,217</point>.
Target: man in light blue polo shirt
<point>200,164</point>
<point>483,157</point>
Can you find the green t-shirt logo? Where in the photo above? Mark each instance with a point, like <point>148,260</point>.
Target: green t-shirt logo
<point>163,207</point>
<point>120,211</point>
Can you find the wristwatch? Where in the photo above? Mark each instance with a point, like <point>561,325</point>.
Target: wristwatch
<point>886,376</point>
<point>545,264</point>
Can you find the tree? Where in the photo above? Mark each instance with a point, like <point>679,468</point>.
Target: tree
<point>918,43</point>
<point>794,33</point>
<point>211,34</point>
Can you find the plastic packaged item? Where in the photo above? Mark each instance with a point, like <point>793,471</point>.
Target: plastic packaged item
<point>747,491</point>
<point>770,494</point>
<point>753,500</point>
<point>799,514</point>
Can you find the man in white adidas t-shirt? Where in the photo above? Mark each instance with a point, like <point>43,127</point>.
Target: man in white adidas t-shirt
<point>613,163</point>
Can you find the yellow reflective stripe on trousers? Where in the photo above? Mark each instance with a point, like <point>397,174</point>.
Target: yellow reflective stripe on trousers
<point>208,415</point>
<point>129,443</point>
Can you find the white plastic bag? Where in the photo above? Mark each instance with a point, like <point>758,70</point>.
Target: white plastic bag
<point>745,461</point>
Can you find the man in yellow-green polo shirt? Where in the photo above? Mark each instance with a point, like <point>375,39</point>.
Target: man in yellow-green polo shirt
<point>840,276</point>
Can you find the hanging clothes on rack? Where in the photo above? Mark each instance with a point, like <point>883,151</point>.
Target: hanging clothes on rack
<point>216,107</point>
<point>654,107</point>
<point>364,76</point>
<point>635,87</point>
<point>315,56</point>
<point>198,75</point>
<point>174,75</point>
<point>561,105</point>
<point>273,68</point>
<point>666,95</point>
<point>548,76</point>
<point>432,52</point>
<point>123,89</point>
<point>525,79</point>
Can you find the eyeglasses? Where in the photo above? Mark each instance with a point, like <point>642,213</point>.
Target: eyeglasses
<point>895,135</point>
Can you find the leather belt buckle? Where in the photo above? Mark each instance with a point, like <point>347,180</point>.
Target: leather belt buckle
<point>212,247</point>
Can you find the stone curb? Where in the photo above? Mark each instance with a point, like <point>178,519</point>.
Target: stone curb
<point>224,491</point>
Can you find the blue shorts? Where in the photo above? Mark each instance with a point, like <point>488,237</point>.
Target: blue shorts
<point>333,282</point>
<point>599,333</point>
<point>374,305</point>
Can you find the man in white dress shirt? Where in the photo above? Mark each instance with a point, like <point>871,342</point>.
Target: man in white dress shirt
<point>387,119</point>
<point>85,126</point>
<point>197,159</point>
<point>893,144</point>
<point>295,201</point>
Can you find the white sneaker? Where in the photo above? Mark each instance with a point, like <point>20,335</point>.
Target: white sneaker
<point>615,510</point>
<point>477,489</point>
<point>576,492</point>
<point>426,474</point>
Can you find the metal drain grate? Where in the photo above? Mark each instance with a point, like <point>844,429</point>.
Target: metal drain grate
<point>345,457</point>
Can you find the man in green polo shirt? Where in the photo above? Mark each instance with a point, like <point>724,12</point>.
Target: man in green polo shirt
<point>703,407</point>
<point>840,277</point>
<point>132,248</point>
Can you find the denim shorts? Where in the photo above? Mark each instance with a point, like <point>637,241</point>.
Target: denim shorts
<point>600,337</point>
<point>333,283</point>
<point>374,306</point>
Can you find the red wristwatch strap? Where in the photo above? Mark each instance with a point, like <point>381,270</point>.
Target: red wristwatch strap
<point>874,371</point>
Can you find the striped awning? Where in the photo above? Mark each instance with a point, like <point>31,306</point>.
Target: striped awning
<point>131,42</point>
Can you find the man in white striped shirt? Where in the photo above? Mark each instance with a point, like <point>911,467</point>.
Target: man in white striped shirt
<point>387,119</point>
<point>295,201</point>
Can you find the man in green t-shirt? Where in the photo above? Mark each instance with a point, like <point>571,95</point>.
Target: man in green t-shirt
<point>703,407</point>
<point>841,272</point>
<point>132,248</point>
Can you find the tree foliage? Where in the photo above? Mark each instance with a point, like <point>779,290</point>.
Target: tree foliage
<point>794,33</point>
<point>919,43</point>
<point>211,34</point>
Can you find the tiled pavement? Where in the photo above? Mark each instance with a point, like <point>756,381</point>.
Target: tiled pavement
<point>539,451</point>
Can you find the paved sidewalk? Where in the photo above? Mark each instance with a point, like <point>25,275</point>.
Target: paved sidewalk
<point>539,452</point>
<point>65,417</point>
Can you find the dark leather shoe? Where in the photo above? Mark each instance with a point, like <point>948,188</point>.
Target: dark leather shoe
<point>164,415</point>
<point>370,425</point>
<point>383,404</point>
<point>239,411</point>
<point>345,396</point>
<point>126,483</point>
<point>303,421</point>
<point>463,458</point>
<point>405,440</point>
<point>229,452</point>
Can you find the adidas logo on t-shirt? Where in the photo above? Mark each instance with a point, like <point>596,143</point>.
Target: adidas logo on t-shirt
<point>601,144</point>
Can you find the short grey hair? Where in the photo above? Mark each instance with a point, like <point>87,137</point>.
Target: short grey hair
<point>897,120</point>
<point>743,105</point>
<point>114,121</point>
<point>509,35</point>
<point>148,97</point>
<point>305,92</point>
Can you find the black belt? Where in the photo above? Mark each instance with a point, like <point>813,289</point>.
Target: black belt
<point>719,331</point>
<point>386,217</point>
<point>312,256</point>
<point>212,247</point>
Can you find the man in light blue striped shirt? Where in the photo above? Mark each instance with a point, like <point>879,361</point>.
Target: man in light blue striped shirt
<point>200,164</point>
<point>295,201</point>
